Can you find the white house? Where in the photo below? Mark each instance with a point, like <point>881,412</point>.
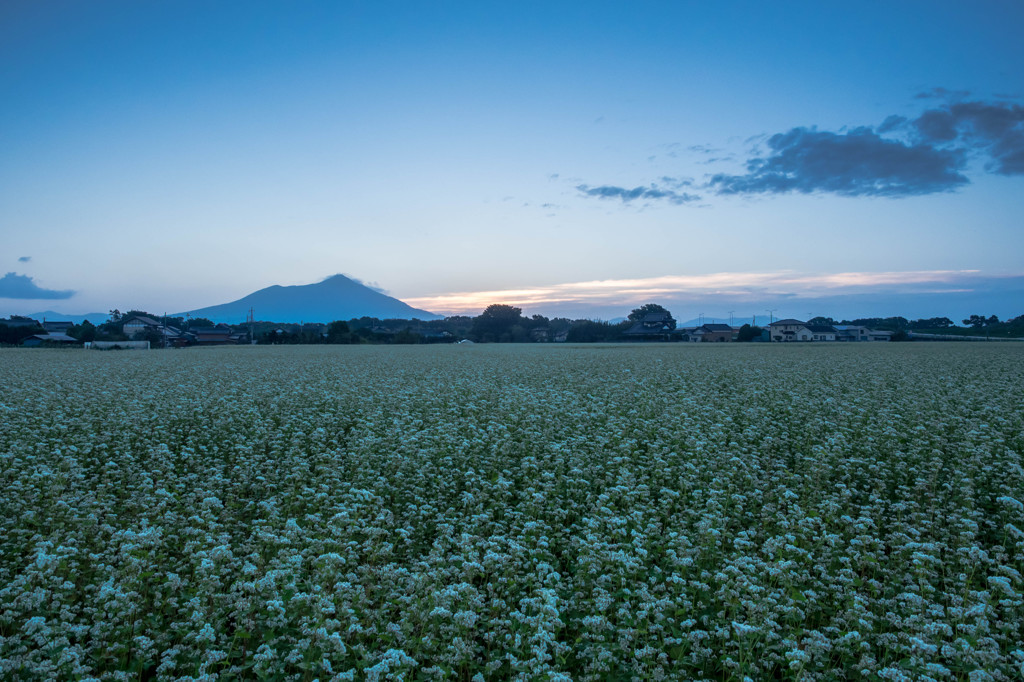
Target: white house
<point>789,330</point>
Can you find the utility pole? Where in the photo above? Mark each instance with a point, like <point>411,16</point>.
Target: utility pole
<point>250,319</point>
<point>730,317</point>
<point>771,313</point>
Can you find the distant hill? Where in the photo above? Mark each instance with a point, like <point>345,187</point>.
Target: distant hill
<point>51,316</point>
<point>335,298</point>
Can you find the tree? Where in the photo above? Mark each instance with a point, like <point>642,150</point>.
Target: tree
<point>932,323</point>
<point>638,314</point>
<point>821,320</point>
<point>115,315</point>
<point>589,331</point>
<point>155,338</point>
<point>15,335</point>
<point>496,322</point>
<point>338,332</point>
<point>199,322</point>
<point>406,336</point>
<point>979,321</point>
<point>748,333</point>
<point>84,332</point>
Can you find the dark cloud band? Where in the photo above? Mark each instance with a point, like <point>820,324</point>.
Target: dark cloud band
<point>643,192</point>
<point>901,157</point>
<point>856,163</point>
<point>13,285</point>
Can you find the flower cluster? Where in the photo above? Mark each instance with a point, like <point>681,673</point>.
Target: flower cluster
<point>514,512</point>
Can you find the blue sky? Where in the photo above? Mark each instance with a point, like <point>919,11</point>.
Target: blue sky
<point>575,158</point>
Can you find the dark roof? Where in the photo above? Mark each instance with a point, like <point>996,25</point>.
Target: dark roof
<point>788,320</point>
<point>716,327</point>
<point>821,328</point>
<point>148,321</point>
<point>54,338</point>
<point>639,329</point>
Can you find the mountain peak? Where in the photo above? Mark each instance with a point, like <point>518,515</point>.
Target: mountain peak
<point>337,297</point>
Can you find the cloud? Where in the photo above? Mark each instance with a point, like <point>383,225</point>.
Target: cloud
<point>652,192</point>
<point>736,285</point>
<point>992,130</point>
<point>375,286</point>
<point>13,285</point>
<point>942,93</point>
<point>855,163</point>
<point>24,259</point>
<point>898,158</point>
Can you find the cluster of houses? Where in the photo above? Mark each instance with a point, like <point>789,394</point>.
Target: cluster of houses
<point>661,327</point>
<point>795,330</point>
<point>53,332</point>
<point>142,327</point>
<point>142,332</point>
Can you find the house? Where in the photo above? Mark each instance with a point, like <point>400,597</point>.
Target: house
<point>689,334</point>
<point>789,330</point>
<point>653,326</point>
<point>53,338</point>
<point>822,332</point>
<point>208,336</point>
<point>136,325</point>
<point>60,327</point>
<point>851,332</point>
<point>717,332</point>
<point>174,337</point>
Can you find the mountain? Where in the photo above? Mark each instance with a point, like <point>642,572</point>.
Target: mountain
<point>335,298</point>
<point>95,318</point>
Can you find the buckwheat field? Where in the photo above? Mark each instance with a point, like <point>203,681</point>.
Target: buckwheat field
<point>850,511</point>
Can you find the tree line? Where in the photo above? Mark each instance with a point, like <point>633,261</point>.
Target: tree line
<point>498,323</point>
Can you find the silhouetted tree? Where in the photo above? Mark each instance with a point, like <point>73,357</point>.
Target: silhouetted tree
<point>637,314</point>
<point>84,332</point>
<point>748,333</point>
<point>199,323</point>
<point>338,332</point>
<point>406,336</point>
<point>495,323</point>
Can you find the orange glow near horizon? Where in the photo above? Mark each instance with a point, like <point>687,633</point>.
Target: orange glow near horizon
<point>630,291</point>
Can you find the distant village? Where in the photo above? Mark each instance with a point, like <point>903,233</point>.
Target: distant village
<point>497,324</point>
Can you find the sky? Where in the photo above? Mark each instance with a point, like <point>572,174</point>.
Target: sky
<point>841,159</point>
